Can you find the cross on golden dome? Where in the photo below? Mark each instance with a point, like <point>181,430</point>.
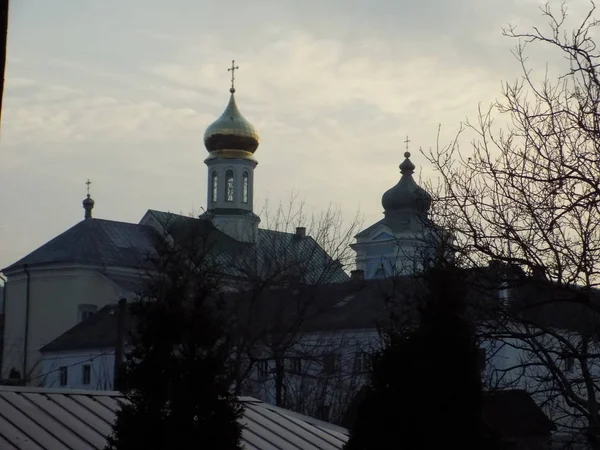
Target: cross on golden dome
<point>232,69</point>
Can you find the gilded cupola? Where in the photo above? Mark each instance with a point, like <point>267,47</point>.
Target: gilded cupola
<point>231,135</point>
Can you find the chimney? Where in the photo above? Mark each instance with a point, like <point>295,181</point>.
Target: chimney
<point>357,275</point>
<point>301,232</point>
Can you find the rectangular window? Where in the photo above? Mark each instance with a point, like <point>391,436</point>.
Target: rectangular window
<point>263,369</point>
<point>569,364</point>
<point>295,365</point>
<point>362,362</point>
<point>63,375</point>
<point>330,364</point>
<point>323,412</point>
<point>86,375</point>
<point>86,311</point>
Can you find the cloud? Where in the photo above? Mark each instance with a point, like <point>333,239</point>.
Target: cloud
<point>121,92</point>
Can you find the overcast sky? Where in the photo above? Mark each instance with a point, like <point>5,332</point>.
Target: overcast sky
<point>121,91</point>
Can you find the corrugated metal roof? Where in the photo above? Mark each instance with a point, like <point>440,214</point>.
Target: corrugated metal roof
<point>62,419</point>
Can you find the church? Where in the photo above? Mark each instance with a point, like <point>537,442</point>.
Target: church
<point>405,239</point>
<point>97,261</point>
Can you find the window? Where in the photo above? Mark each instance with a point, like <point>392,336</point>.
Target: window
<point>63,375</point>
<point>323,412</point>
<point>229,186</point>
<point>569,363</point>
<point>245,187</point>
<point>330,363</point>
<point>362,362</point>
<point>295,365</point>
<point>86,311</point>
<point>481,359</point>
<point>263,369</point>
<point>86,375</point>
<point>214,186</point>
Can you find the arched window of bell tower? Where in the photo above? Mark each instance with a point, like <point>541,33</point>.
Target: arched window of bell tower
<point>229,188</point>
<point>245,187</point>
<point>214,186</point>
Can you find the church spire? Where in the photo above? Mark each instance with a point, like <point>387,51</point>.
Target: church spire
<point>88,202</point>
<point>231,141</point>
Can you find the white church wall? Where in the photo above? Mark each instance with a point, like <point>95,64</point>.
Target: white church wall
<point>54,299</point>
<point>402,254</point>
<point>512,365</point>
<point>87,369</point>
<point>323,372</point>
<point>309,388</point>
<point>14,309</point>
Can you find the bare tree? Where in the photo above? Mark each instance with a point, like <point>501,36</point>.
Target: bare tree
<point>527,196</point>
<point>276,287</point>
<point>298,255</point>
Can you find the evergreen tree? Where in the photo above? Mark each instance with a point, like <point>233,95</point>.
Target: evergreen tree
<point>177,378</point>
<point>425,391</point>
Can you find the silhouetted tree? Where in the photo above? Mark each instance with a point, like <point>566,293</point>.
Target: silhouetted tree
<point>526,193</point>
<point>177,379</point>
<point>425,389</point>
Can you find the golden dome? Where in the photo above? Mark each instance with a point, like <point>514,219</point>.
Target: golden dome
<point>231,131</point>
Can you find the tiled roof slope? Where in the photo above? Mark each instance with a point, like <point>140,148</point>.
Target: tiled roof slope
<point>274,250</point>
<point>97,332</point>
<point>111,243</point>
<point>94,242</point>
<point>62,419</point>
<point>336,306</point>
<point>317,267</point>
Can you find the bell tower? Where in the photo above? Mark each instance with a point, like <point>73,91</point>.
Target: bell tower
<point>231,142</point>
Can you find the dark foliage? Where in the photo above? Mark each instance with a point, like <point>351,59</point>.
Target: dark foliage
<point>425,390</point>
<point>177,377</point>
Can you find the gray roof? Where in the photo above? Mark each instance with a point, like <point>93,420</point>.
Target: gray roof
<point>370,228</point>
<point>275,250</point>
<point>278,249</point>
<point>97,332</point>
<point>121,244</point>
<point>94,242</point>
<point>337,306</point>
<point>63,419</point>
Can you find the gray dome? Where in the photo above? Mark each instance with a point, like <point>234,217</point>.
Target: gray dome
<point>88,202</point>
<point>407,194</point>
